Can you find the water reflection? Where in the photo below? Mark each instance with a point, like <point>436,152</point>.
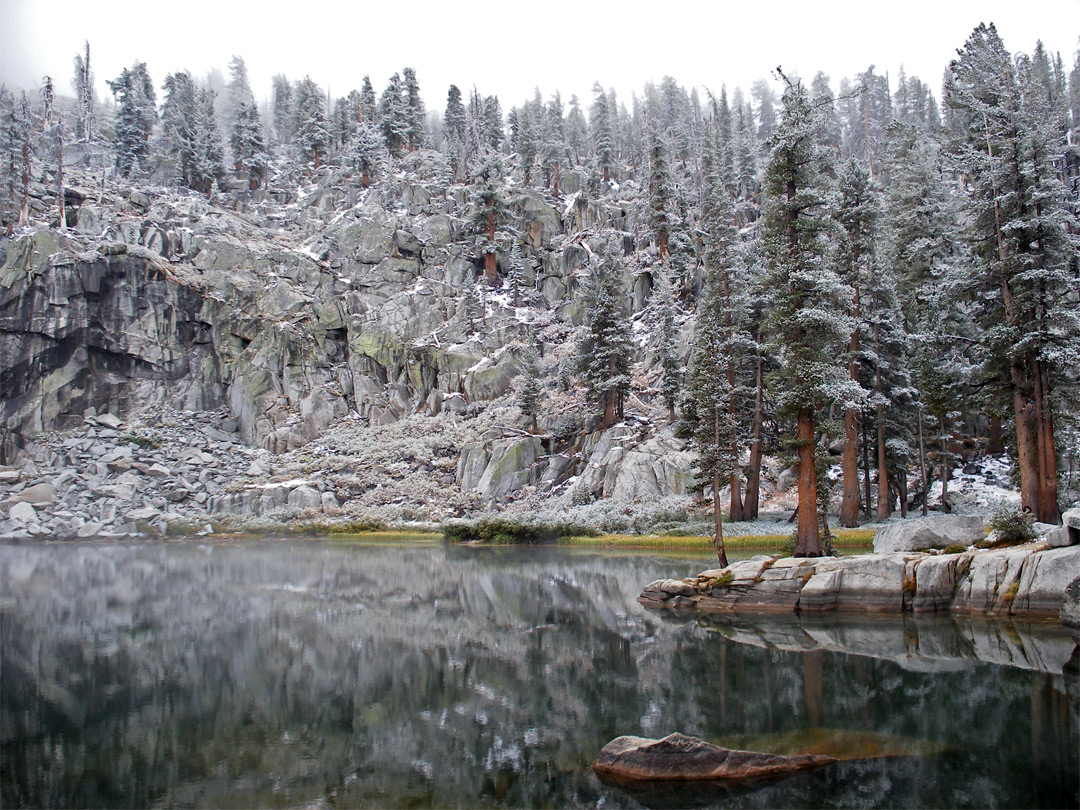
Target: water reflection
<point>318,673</point>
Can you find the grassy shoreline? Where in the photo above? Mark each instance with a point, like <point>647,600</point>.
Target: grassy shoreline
<point>843,538</point>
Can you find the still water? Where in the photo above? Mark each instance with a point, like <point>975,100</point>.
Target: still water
<point>335,674</point>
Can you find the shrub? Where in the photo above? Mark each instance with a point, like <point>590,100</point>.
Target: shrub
<point>508,530</point>
<point>1013,525</point>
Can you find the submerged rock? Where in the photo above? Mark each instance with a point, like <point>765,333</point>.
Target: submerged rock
<point>681,758</point>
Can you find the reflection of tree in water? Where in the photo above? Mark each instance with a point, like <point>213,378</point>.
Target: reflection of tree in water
<point>294,672</point>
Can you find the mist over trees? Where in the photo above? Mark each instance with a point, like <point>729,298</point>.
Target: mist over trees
<point>867,265</point>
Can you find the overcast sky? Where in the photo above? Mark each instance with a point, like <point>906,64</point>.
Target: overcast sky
<point>508,48</point>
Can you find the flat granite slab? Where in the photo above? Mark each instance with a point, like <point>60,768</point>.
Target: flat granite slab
<point>1027,581</point>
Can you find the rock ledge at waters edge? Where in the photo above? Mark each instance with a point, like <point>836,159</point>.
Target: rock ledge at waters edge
<point>1027,580</point>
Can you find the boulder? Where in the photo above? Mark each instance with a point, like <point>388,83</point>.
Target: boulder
<point>929,532</point>
<point>38,494</point>
<point>304,497</point>
<point>1070,605</point>
<point>681,758</point>
<point>1068,533</point>
<point>23,513</point>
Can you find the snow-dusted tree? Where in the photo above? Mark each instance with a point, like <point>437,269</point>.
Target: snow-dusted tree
<point>515,277</point>
<point>283,115</point>
<point>57,137</point>
<point>454,117</point>
<point>661,192</point>
<point>136,114</point>
<point>394,115</point>
<point>577,131</point>
<point>10,133</point>
<point>606,347</point>
<point>1022,290</point>
<point>367,152</point>
<point>808,324</point>
<point>249,151</point>
<point>857,214</point>
<point>309,122</point>
<point>48,98</point>
<point>178,122</point>
<point>489,210</point>
<point>369,108</point>
<point>763,96</point>
<point>603,136</point>
<point>472,308</point>
<point>83,85</point>
<point>526,141</point>
<point>208,155</point>
<point>528,394</point>
<point>414,110</point>
<point>554,150</point>
<point>663,300</point>
<point>237,93</point>
<point>493,123</point>
<point>832,135</point>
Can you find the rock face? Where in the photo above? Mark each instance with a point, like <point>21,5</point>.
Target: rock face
<point>1023,581</point>
<point>929,532</point>
<point>681,758</point>
<point>1070,605</point>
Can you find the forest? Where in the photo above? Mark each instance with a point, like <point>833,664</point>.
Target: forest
<point>870,272</point>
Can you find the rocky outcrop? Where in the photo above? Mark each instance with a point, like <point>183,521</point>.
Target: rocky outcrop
<point>1070,605</point>
<point>681,758</point>
<point>1023,581</point>
<point>929,532</point>
<point>1068,533</point>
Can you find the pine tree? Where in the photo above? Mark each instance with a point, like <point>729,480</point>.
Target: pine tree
<point>602,133</point>
<point>367,153</point>
<point>606,348</point>
<point>515,278</point>
<point>309,122</point>
<point>577,131</point>
<point>472,308</point>
<point>57,137</point>
<point>661,192</point>
<point>807,324</point>
<point>208,156</point>
<point>11,159</point>
<point>135,117</point>
<point>858,218</point>
<point>284,113</point>
<point>48,97</point>
<point>178,123</point>
<point>394,116</point>
<point>493,123</point>
<point>237,94</point>
<point>554,149</point>
<point>414,106</point>
<point>83,85</point>
<point>528,395</point>
<point>1004,143</point>
<point>249,152</point>
<point>454,117</point>
<point>489,210</point>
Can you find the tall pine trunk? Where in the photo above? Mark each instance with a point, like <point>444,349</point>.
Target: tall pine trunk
<point>866,468</point>
<point>491,270</point>
<point>1027,447</point>
<point>884,502</point>
<point>808,536</point>
<point>1048,510</point>
<point>753,476</point>
<point>945,470</point>
<point>923,483</point>
<point>849,503</point>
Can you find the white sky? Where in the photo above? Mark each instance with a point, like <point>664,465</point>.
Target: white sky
<point>510,47</point>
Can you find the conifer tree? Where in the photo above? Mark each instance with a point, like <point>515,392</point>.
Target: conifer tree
<point>1022,293</point>
<point>48,97</point>
<point>57,137</point>
<point>554,149</point>
<point>492,123</point>
<point>414,106</point>
<point>577,131</point>
<point>454,117</point>
<point>136,115</point>
<point>472,307</point>
<point>605,349</point>
<point>237,93</point>
<point>10,171</point>
<point>208,156</point>
<point>528,395</point>
<point>369,108</point>
<point>283,116</point>
<point>661,192</point>
<point>603,135</point>
<point>489,210</point>
<point>858,218</point>
<point>309,122</point>
<point>807,324</point>
<point>394,115</point>
<point>662,304</point>
<point>83,85</point>
<point>178,123</point>
<point>249,152</point>
<point>515,278</point>
<point>367,152</point>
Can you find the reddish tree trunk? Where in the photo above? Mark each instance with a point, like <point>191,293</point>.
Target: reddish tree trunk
<point>884,502</point>
<point>1048,510</point>
<point>753,478</point>
<point>849,504</point>
<point>1027,448</point>
<point>808,537</point>
<point>995,432</point>
<point>365,179</point>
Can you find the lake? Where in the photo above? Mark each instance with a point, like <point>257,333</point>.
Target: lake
<point>323,673</point>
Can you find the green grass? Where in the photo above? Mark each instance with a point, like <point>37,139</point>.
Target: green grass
<point>844,538</point>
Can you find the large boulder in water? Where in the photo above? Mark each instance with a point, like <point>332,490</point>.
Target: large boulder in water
<point>930,532</point>
<point>681,758</point>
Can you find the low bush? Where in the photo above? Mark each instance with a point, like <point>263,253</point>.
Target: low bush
<point>509,530</point>
<point>1013,525</point>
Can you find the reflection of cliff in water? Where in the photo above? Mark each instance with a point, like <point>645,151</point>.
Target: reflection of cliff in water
<point>293,673</point>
